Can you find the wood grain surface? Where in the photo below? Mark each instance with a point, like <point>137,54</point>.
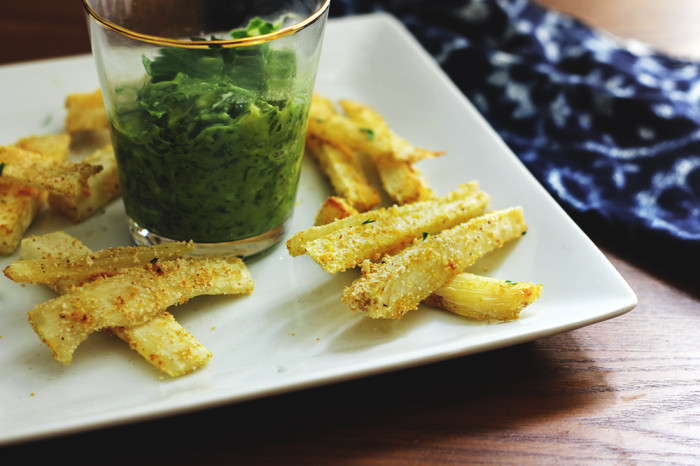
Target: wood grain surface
<point>625,391</point>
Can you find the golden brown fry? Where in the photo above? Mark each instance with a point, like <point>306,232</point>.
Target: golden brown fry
<point>334,208</point>
<point>297,243</point>
<point>484,298</point>
<point>133,297</point>
<point>371,121</point>
<point>85,112</point>
<point>361,129</point>
<point>18,207</point>
<point>402,181</point>
<point>344,172</point>
<point>101,188</point>
<point>397,285</point>
<point>89,265</point>
<point>347,248</point>
<point>51,146</point>
<point>32,169</point>
<point>162,341</point>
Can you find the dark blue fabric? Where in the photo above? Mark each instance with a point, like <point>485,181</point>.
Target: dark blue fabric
<point>611,131</point>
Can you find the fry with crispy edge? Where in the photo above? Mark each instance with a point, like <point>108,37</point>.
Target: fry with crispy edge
<point>85,111</point>
<point>333,208</point>
<point>133,297</point>
<point>296,245</point>
<point>347,248</point>
<point>376,140</point>
<point>52,146</point>
<point>32,169</point>
<point>345,173</point>
<point>485,298</point>
<point>88,265</point>
<point>18,207</point>
<point>101,188</point>
<point>161,341</point>
<point>400,282</point>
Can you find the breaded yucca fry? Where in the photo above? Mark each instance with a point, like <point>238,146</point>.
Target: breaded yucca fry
<point>18,207</point>
<point>32,169</point>
<point>334,208</point>
<point>133,297</point>
<point>370,120</point>
<point>400,282</point>
<point>484,298</point>
<point>363,130</point>
<point>165,344</point>
<point>345,173</point>
<point>402,181</point>
<point>297,243</point>
<point>349,247</point>
<point>51,146</point>
<point>101,188</point>
<point>161,341</point>
<point>89,265</point>
<point>85,111</point>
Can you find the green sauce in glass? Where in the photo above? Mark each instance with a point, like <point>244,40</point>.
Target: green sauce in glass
<point>209,148</point>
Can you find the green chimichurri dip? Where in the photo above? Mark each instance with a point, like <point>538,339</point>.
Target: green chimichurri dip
<point>209,147</point>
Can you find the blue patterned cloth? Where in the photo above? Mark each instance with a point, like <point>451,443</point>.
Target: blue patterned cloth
<point>611,131</point>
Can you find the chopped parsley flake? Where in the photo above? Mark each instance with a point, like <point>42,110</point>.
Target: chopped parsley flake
<point>425,234</point>
<point>368,221</point>
<point>369,132</point>
<point>510,282</point>
<point>2,167</point>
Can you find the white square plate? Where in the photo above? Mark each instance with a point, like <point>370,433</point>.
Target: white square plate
<point>294,332</point>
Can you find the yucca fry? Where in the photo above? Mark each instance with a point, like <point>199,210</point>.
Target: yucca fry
<point>345,173</point>
<point>81,268</point>
<point>297,243</point>
<point>484,298</point>
<point>133,297</point>
<point>101,188</point>
<point>363,130</point>
<point>165,344</point>
<point>19,206</point>
<point>400,282</point>
<point>161,341</point>
<point>347,248</point>
<point>52,146</point>
<point>85,111</point>
<point>32,169</point>
<point>369,119</point>
<point>334,208</point>
<point>402,181</point>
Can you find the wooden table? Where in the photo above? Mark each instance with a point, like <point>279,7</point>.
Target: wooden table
<point>624,391</point>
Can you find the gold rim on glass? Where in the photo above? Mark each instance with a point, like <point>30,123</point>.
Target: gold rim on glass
<point>206,44</point>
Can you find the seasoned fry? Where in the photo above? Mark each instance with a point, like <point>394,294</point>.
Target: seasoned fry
<point>397,285</point>
<point>81,268</point>
<point>361,129</point>
<point>101,188</point>
<point>133,297</point>
<point>162,341</point>
<point>18,207</point>
<point>345,173</point>
<point>32,169</point>
<point>334,208</point>
<point>402,181</point>
<point>85,112</point>
<point>484,298</point>
<point>297,243</point>
<point>51,146</point>
<point>347,248</point>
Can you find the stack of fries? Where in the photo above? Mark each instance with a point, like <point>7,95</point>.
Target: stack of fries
<point>36,168</point>
<point>126,290</point>
<point>416,250</point>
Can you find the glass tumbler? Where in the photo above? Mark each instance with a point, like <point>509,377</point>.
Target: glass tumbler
<point>207,102</point>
